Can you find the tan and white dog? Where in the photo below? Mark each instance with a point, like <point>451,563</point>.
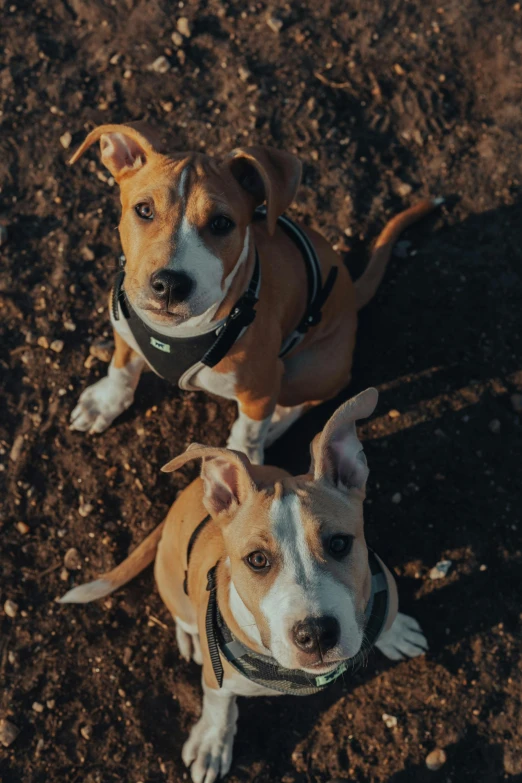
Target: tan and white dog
<point>190,243</point>
<point>290,571</point>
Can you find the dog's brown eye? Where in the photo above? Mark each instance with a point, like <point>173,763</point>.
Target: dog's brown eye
<point>258,561</point>
<point>144,211</point>
<point>221,225</point>
<point>340,546</point>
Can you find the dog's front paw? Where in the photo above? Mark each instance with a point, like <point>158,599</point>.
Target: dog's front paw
<point>403,640</point>
<point>100,404</point>
<point>208,750</point>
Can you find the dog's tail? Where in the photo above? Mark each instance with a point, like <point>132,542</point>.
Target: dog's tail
<point>368,283</point>
<point>142,556</point>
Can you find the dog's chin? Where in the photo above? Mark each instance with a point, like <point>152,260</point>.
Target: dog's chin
<point>157,316</point>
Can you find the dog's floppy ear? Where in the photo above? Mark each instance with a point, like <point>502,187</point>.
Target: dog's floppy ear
<point>268,175</point>
<point>337,453</point>
<point>226,477</point>
<point>124,148</point>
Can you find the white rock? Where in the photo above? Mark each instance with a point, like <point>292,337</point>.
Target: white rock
<point>160,65</point>
<point>10,608</point>
<point>396,498</point>
<point>177,39</point>
<point>8,733</point>
<point>440,570</point>
<point>436,759</point>
<point>183,27</point>
<point>56,346</point>
<point>37,707</point>
<point>389,720</point>
<point>66,140</point>
<point>72,560</point>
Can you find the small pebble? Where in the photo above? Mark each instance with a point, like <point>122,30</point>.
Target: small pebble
<point>396,498</point>
<point>72,560</point>
<point>85,509</point>
<point>50,704</point>
<point>436,759</point>
<point>102,350</point>
<point>516,402</point>
<point>394,414</point>
<point>85,731</point>
<point>177,39</point>
<point>70,326</point>
<point>8,733</point>
<point>66,140</point>
<point>64,575</point>
<point>10,608</point>
<point>37,707</point>
<point>494,426</point>
<point>115,59</point>
<point>22,528</point>
<point>127,74</point>
<point>243,73</point>
<point>183,27</point>
<point>89,362</point>
<point>440,570</point>
<point>403,189</point>
<point>274,24</point>
<point>86,253</point>
<point>389,720</point>
<point>127,656</point>
<point>16,448</point>
<point>56,346</point>
<point>399,69</point>
<point>160,65</point>
<point>3,235</point>
<point>43,342</point>
<point>167,106</point>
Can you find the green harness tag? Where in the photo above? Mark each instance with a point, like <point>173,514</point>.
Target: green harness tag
<point>165,347</point>
<point>326,679</point>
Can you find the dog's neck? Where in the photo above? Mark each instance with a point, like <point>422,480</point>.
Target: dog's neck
<point>234,285</point>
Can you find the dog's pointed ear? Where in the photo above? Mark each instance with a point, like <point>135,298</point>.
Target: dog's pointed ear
<point>268,175</point>
<point>226,475</point>
<point>337,453</point>
<point>124,148</point>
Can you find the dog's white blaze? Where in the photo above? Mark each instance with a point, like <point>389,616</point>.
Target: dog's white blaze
<point>303,589</point>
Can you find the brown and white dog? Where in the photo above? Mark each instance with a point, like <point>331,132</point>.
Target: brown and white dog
<point>293,577</point>
<point>189,241</point>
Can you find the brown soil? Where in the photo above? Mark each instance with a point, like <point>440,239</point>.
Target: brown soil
<point>377,99</point>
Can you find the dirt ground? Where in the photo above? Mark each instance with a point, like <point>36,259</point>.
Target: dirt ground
<point>383,102</point>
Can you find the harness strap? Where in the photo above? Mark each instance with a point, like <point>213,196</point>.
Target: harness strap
<point>211,621</point>
<point>192,542</point>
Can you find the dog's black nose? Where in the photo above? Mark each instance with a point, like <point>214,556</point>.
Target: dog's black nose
<point>317,634</point>
<point>170,286</point>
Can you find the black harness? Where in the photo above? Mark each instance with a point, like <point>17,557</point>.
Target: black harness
<point>263,669</point>
<point>176,359</point>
